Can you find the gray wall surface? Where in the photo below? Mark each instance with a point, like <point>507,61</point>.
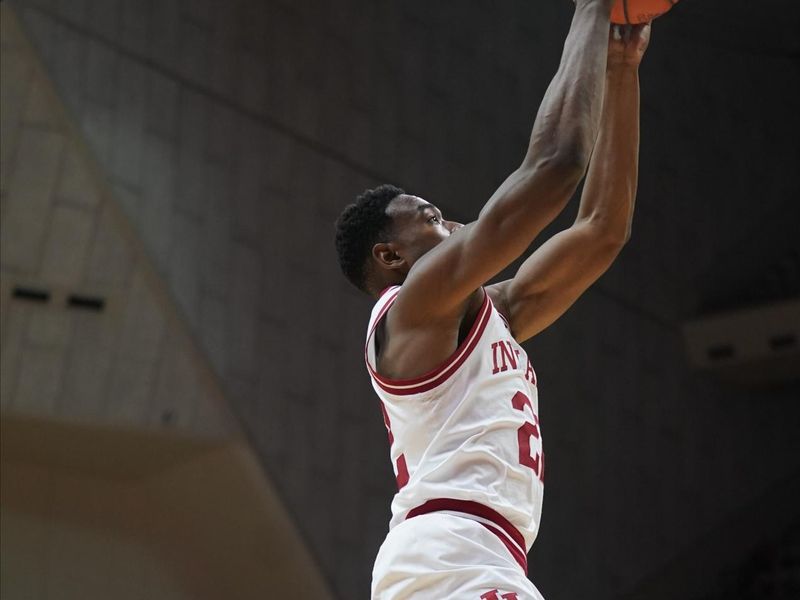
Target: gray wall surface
<point>233,134</point>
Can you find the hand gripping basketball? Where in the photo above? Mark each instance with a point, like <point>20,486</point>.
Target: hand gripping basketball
<point>633,12</point>
<point>627,44</point>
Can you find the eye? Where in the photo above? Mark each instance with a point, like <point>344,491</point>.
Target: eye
<point>434,219</point>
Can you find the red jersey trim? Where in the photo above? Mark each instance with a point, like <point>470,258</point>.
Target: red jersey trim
<point>386,289</point>
<point>498,524</point>
<point>434,378</point>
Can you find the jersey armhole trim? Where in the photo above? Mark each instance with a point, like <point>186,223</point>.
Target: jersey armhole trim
<point>437,376</point>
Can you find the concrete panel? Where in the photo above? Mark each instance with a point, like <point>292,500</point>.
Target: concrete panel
<point>103,17</point>
<point>182,270</point>
<point>135,27</point>
<point>24,222</point>
<point>214,331</point>
<point>12,103</point>
<point>37,107</point>
<point>86,381</point>
<point>74,186</point>
<point>39,380</point>
<point>158,191</point>
<point>177,388</point>
<point>69,64</point>
<point>98,125</point>
<point>15,325</point>
<point>50,329</point>
<point>66,245</point>
<point>130,390</point>
<point>101,75</point>
<point>195,38</point>
<point>64,232</point>
<point>110,258</point>
<point>143,323</point>
<point>161,116</point>
<point>128,137</point>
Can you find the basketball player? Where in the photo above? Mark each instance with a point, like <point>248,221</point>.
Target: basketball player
<point>457,390</point>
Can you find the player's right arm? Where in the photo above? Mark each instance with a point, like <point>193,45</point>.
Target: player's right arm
<point>564,132</point>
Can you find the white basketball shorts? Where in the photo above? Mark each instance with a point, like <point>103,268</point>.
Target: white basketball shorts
<point>439,556</point>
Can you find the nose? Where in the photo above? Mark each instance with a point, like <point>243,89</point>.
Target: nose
<point>453,226</point>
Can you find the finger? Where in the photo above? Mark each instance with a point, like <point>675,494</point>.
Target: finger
<point>641,31</point>
<point>643,35</point>
<point>626,33</point>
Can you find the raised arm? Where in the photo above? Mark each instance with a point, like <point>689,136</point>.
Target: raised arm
<point>556,274</point>
<point>564,131</point>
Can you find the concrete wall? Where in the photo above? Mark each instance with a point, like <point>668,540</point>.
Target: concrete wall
<point>124,474</point>
<point>131,361</point>
<point>233,137</point>
<point>98,513</point>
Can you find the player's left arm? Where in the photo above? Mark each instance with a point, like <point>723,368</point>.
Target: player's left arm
<point>558,272</point>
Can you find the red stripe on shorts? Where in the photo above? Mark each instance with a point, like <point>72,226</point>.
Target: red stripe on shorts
<point>504,528</point>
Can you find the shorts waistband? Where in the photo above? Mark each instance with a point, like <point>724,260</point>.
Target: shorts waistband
<point>488,517</point>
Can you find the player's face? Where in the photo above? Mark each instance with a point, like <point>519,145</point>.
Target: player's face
<point>418,226</point>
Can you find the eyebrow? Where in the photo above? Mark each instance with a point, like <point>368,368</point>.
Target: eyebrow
<point>426,206</point>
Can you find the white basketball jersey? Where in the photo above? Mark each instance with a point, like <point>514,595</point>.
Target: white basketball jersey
<point>465,437</point>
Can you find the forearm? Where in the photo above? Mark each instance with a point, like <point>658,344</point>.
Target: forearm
<point>568,118</point>
<point>609,192</point>
<point>563,134</point>
<point>533,195</point>
<point>559,271</point>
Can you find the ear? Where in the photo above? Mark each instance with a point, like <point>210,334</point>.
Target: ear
<point>387,257</point>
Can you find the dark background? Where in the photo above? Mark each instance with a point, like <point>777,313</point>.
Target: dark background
<point>234,133</point>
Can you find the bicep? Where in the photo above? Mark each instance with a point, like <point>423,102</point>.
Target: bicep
<point>555,276</point>
<point>522,206</point>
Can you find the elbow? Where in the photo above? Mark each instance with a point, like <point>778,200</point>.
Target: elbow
<point>627,236</point>
<point>572,151</point>
<point>607,237</point>
<point>574,154</point>
<point>570,158</point>
<point>571,164</point>
<point>607,247</point>
<point>622,234</point>
<point>613,240</point>
<point>565,167</point>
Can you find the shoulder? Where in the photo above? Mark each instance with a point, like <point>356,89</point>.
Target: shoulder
<point>404,351</point>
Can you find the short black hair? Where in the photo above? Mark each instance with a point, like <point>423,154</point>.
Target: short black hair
<point>360,226</point>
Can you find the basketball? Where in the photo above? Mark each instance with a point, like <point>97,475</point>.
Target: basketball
<point>632,12</point>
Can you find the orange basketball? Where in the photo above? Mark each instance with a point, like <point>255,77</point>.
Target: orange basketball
<point>631,12</point>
